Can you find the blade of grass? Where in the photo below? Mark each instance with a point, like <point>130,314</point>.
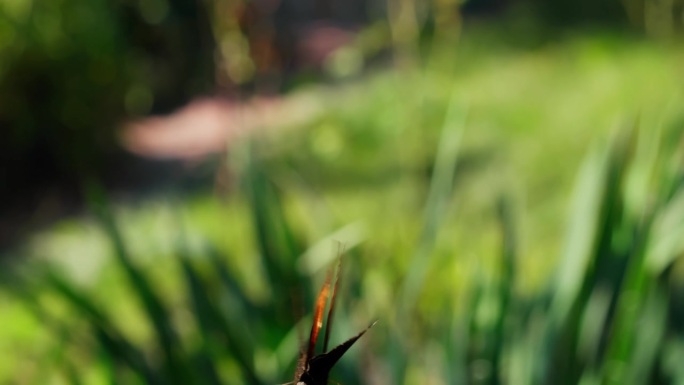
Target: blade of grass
<point>150,301</point>
<point>505,285</point>
<point>649,337</point>
<point>233,334</point>
<point>597,214</point>
<point>632,296</point>
<point>115,344</point>
<point>275,237</point>
<point>203,312</point>
<point>436,206</point>
<point>441,187</point>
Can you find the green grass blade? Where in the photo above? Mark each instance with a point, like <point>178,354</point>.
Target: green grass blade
<point>115,344</point>
<point>597,215</point>
<point>231,290</point>
<point>231,333</point>
<point>505,285</point>
<point>276,240</point>
<point>202,310</point>
<point>475,343</point>
<point>632,297</point>
<point>439,196</point>
<point>151,302</point>
<point>649,337</point>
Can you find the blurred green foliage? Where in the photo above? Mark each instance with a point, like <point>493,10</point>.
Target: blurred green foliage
<point>446,178</point>
<point>459,176</point>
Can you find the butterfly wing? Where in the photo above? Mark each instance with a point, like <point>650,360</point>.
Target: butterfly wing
<point>319,367</point>
<point>315,328</point>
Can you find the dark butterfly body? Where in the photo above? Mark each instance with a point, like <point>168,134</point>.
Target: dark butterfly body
<point>314,370</point>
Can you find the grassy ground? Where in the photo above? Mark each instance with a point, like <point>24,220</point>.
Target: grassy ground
<point>519,123</point>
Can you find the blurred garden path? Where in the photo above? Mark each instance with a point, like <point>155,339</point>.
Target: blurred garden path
<point>164,151</point>
<point>208,126</point>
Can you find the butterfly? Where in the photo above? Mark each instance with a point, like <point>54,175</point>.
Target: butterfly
<point>315,369</point>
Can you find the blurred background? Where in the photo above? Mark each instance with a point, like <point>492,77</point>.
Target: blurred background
<point>176,177</point>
